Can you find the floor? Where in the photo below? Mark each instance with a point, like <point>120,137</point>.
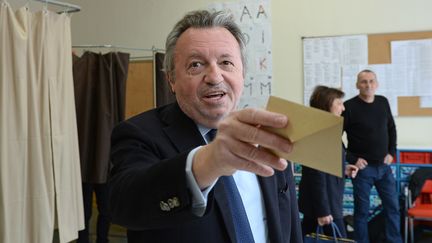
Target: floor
<point>425,236</point>
<point>117,233</point>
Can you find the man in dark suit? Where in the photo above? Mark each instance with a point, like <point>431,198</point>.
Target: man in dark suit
<point>172,179</point>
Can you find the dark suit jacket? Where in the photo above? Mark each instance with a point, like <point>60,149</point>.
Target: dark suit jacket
<point>149,156</point>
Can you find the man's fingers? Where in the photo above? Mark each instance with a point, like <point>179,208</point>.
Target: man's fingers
<point>256,168</point>
<point>262,117</point>
<point>361,163</point>
<point>255,135</point>
<point>251,154</point>
<point>243,144</point>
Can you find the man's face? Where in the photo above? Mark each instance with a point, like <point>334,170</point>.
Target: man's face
<point>367,84</point>
<point>208,74</point>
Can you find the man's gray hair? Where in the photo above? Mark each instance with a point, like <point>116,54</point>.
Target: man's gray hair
<point>365,71</point>
<point>202,19</point>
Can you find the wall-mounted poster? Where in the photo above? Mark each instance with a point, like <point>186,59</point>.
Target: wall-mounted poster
<point>254,19</point>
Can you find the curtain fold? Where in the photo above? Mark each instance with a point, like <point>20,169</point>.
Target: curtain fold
<point>39,159</point>
<point>100,88</point>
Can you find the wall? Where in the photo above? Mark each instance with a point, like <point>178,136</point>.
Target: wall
<point>146,23</point>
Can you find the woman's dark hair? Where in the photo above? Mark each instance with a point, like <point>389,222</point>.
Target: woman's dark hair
<point>323,97</point>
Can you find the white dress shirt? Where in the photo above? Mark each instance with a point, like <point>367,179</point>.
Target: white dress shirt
<point>249,189</point>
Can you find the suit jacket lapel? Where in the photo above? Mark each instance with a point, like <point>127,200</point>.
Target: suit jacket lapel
<point>182,130</point>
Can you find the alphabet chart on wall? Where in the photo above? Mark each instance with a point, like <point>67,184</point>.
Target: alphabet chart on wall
<point>254,19</point>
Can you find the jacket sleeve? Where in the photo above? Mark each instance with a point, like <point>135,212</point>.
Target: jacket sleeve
<point>146,190</point>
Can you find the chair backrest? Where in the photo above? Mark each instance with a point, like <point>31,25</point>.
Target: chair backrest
<point>417,180</point>
<point>425,196</point>
<point>427,186</point>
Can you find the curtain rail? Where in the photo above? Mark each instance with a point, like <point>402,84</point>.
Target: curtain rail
<point>70,8</point>
<point>153,49</point>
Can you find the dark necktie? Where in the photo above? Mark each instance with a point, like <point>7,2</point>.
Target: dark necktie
<point>240,220</point>
<point>211,135</point>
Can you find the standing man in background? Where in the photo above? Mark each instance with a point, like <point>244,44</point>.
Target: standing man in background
<point>371,134</point>
<point>173,180</point>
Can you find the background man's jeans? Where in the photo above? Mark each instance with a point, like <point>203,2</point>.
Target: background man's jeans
<point>381,176</point>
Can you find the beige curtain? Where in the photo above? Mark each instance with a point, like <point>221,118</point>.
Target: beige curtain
<point>39,160</point>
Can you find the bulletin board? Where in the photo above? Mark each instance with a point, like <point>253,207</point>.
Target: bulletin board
<point>324,56</point>
<point>379,51</point>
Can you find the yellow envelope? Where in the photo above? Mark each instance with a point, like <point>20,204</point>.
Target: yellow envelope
<point>316,135</point>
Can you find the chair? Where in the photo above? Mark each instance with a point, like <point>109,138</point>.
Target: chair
<point>421,209</point>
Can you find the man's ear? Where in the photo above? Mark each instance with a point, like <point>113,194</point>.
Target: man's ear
<point>170,80</point>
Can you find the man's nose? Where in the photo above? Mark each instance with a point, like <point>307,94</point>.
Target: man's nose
<point>213,74</point>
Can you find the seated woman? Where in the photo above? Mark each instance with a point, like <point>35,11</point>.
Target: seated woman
<point>321,194</point>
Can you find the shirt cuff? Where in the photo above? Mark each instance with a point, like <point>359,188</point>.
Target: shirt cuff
<point>199,198</point>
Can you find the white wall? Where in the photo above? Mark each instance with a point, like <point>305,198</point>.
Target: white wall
<point>145,23</point>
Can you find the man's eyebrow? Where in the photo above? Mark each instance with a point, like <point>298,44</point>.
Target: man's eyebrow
<point>226,55</point>
<point>194,55</point>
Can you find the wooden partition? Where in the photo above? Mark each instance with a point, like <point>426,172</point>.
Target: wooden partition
<point>139,88</point>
